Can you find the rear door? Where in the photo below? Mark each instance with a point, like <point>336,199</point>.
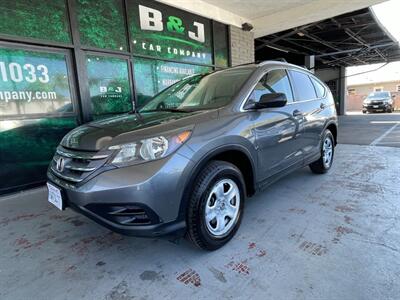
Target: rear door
<point>309,96</point>
<point>277,130</point>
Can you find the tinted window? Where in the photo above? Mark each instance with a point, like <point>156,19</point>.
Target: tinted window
<point>200,92</point>
<point>378,95</point>
<point>38,19</point>
<point>109,85</point>
<point>220,44</point>
<point>319,88</point>
<point>101,24</point>
<point>162,31</point>
<point>303,86</point>
<point>275,81</point>
<point>33,82</point>
<point>152,76</point>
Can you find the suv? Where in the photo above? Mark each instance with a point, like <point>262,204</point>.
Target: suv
<point>185,162</point>
<point>378,101</point>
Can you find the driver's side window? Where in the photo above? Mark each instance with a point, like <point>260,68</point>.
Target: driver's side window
<point>275,81</point>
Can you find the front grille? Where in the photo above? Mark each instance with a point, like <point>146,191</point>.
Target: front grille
<point>376,102</point>
<point>125,214</point>
<point>74,166</point>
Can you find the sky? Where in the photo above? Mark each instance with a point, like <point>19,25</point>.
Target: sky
<point>388,13</point>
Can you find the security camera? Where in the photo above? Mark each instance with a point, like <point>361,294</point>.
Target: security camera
<point>247,27</point>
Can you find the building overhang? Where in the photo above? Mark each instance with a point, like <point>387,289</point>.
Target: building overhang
<point>268,16</point>
<point>351,39</point>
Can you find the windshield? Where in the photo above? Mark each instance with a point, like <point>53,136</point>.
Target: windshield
<point>378,95</point>
<point>199,92</point>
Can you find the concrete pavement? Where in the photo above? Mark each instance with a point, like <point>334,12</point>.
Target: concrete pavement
<point>381,129</point>
<point>333,236</point>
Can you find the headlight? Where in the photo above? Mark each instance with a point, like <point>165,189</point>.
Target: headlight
<point>148,149</point>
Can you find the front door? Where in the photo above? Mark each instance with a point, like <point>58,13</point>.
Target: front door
<point>277,130</point>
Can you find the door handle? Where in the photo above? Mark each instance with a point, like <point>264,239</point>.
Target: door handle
<point>322,106</point>
<point>297,113</point>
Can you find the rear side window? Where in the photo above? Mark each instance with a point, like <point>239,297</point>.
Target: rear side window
<point>304,89</point>
<point>319,88</point>
<point>275,81</point>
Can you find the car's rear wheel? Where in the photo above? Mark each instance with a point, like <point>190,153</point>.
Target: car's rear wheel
<point>324,163</point>
<point>216,205</point>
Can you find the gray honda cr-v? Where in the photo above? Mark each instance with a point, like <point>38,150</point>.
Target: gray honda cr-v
<point>185,162</point>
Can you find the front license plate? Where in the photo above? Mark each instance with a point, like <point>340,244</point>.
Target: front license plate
<point>376,106</point>
<point>55,196</point>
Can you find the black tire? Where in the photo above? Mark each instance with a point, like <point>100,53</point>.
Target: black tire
<point>364,111</point>
<point>319,166</point>
<point>197,231</point>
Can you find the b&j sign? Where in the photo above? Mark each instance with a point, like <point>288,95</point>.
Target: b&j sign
<point>166,32</point>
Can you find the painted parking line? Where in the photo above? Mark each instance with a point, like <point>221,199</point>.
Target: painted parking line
<point>388,143</point>
<point>380,138</point>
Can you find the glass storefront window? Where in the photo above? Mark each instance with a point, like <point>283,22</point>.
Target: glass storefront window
<point>221,51</point>
<point>26,148</point>
<point>31,19</point>
<point>109,85</point>
<point>33,83</point>
<point>101,24</point>
<point>163,31</point>
<point>152,76</point>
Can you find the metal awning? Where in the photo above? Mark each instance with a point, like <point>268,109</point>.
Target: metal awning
<point>355,38</point>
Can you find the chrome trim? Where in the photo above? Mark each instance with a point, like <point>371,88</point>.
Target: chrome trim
<point>71,167</point>
<point>81,155</point>
<point>63,176</point>
<point>82,169</point>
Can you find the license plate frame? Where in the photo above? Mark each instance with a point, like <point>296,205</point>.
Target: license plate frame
<point>55,196</point>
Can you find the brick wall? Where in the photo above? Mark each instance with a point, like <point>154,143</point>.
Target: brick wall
<point>242,46</point>
<point>354,102</point>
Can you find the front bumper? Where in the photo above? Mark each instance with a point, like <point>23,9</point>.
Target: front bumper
<point>376,107</point>
<point>140,200</point>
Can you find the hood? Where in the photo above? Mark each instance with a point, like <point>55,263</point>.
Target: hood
<point>129,127</point>
<point>384,99</point>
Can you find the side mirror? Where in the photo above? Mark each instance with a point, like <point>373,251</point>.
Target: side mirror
<point>393,96</point>
<point>269,100</point>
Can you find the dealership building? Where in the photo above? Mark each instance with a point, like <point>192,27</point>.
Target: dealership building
<point>93,59</point>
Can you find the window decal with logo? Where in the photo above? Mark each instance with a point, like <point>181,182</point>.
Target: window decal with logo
<point>109,85</point>
<point>33,83</point>
<point>162,31</point>
<point>153,76</point>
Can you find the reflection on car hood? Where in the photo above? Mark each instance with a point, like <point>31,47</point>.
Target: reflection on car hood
<point>125,128</point>
<point>377,99</point>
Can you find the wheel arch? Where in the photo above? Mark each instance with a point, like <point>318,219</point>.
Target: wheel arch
<point>332,126</point>
<point>235,154</point>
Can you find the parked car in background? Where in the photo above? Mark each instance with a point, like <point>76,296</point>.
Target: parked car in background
<point>185,162</point>
<point>378,102</point>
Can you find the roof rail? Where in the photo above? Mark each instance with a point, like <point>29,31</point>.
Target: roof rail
<point>280,59</point>
<point>262,61</point>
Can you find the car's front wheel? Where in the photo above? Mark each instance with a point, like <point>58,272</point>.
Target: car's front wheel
<point>216,205</point>
<point>324,163</point>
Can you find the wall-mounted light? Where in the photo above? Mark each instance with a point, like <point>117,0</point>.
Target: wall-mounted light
<point>247,27</point>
